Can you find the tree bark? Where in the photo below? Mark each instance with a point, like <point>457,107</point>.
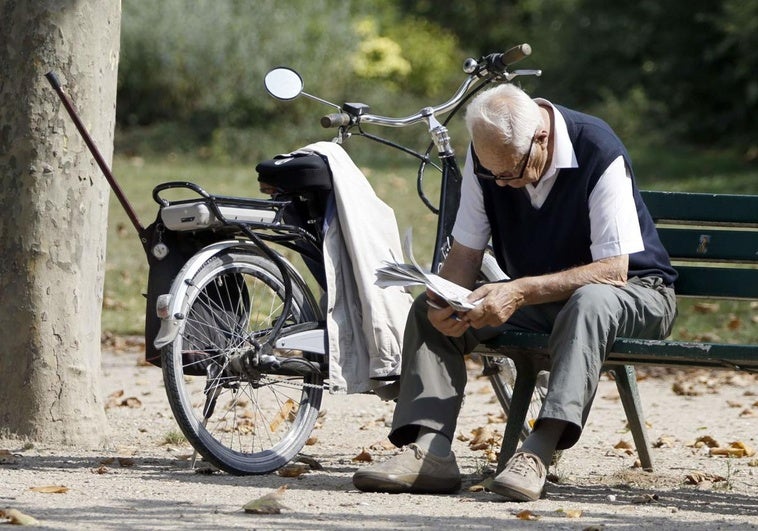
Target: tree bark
<point>53,216</point>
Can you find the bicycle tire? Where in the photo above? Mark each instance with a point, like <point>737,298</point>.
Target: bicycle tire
<point>501,371</point>
<point>252,425</point>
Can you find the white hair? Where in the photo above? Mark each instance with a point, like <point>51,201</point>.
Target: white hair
<point>509,112</point>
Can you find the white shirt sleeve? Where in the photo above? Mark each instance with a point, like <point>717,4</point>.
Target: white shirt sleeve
<point>472,228</point>
<point>614,225</point>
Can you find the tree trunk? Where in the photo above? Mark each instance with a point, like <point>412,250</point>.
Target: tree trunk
<point>53,216</point>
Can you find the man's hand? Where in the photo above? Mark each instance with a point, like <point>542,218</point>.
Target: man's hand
<point>444,318</point>
<point>498,302</point>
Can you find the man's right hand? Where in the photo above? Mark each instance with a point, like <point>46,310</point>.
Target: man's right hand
<point>443,317</point>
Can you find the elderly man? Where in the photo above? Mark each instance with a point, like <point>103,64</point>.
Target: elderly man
<point>554,190</point>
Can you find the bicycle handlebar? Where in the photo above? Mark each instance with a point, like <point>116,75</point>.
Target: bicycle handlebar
<point>493,65</point>
<point>514,55</point>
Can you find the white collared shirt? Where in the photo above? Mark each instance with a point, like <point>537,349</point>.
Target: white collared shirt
<point>614,225</point>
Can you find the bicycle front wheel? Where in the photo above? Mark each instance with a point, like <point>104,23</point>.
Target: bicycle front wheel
<point>252,424</point>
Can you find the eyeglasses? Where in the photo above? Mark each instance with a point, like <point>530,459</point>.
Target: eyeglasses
<point>483,173</point>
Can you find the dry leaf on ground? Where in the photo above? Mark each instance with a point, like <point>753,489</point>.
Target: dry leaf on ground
<point>697,477</point>
<point>363,457</point>
<point>484,438</point>
<point>293,470</point>
<point>705,440</point>
<point>526,515</point>
<point>287,408</point>
<point>50,489</point>
<point>665,441</point>
<point>6,457</point>
<point>267,504</point>
<point>735,449</point>
<point>706,307</point>
<point>645,498</point>
<point>683,389</point>
<point>16,517</point>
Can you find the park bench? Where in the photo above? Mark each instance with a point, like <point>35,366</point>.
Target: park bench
<point>713,243</point>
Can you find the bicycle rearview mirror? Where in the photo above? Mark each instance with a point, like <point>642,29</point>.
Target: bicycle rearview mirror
<point>283,83</point>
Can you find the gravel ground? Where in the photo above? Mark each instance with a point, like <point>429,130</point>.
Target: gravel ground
<point>141,482</point>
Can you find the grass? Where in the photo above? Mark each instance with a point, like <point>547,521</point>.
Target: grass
<point>394,180</point>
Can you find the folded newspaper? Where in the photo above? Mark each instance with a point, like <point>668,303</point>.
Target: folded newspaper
<point>397,274</point>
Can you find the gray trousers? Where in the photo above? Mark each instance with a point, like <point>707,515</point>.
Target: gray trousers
<point>582,329</point>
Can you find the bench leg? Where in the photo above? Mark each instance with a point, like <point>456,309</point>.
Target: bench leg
<point>626,382</point>
<point>526,378</point>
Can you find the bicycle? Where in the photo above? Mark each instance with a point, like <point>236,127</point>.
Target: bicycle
<point>241,336</point>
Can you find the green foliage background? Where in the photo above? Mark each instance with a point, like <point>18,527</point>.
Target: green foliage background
<point>677,72</point>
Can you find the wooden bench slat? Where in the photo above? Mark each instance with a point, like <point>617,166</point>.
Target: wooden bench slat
<point>709,244</point>
<point>646,351</point>
<point>698,281</point>
<point>721,208</point>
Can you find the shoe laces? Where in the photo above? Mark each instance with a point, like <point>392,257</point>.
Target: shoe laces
<point>524,464</point>
<point>418,453</point>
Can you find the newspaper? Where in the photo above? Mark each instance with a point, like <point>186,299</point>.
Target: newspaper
<point>410,274</point>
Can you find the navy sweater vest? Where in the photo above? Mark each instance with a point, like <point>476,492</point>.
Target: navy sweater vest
<point>555,237</point>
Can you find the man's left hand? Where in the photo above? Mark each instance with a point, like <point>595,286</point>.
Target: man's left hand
<point>498,302</point>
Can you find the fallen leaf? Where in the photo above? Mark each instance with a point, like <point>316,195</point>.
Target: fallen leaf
<point>293,470</point>
<point>526,515</point>
<point>735,449</point>
<point>625,446</point>
<point>282,415</point>
<point>313,439</point>
<point>16,517</point>
<point>113,399</point>
<point>363,457</point>
<point>734,323</point>
<point>697,477</point>
<point>132,402</point>
<point>706,307</point>
<point>733,403</point>
<point>495,419</point>
<point>684,389</point>
<point>705,440</point>
<point>267,504</point>
<point>665,441</point>
<point>483,438</point>
<point>570,513</point>
<point>50,489</point>
<point>7,457</point>
<point>645,498</point>
<point>102,469</point>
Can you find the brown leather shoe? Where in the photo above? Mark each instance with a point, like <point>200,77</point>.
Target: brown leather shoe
<point>414,470</point>
<point>522,479</point>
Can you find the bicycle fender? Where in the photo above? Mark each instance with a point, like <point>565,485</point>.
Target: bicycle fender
<point>181,289</point>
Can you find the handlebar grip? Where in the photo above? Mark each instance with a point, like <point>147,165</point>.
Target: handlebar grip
<point>515,54</point>
<point>335,120</point>
<point>53,79</point>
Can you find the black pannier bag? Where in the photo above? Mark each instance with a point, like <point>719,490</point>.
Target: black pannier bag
<point>209,329</point>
